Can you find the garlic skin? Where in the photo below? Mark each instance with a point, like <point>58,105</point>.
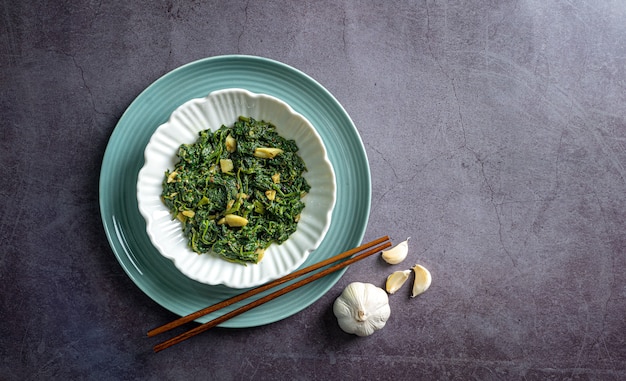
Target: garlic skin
<point>397,253</point>
<point>362,309</point>
<point>396,280</point>
<point>422,280</point>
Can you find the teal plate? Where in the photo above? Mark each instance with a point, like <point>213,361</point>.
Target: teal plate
<point>125,228</point>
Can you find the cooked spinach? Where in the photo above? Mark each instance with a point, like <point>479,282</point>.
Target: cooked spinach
<point>237,190</point>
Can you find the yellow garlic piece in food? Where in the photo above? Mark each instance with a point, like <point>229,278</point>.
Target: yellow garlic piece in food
<point>234,220</point>
<point>270,194</point>
<point>396,280</point>
<point>231,144</point>
<point>397,253</point>
<point>267,152</point>
<point>172,177</point>
<point>261,253</point>
<point>276,178</point>
<point>226,165</point>
<point>422,280</point>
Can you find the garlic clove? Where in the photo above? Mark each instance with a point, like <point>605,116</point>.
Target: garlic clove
<point>397,253</point>
<point>422,280</point>
<point>231,144</point>
<point>226,165</point>
<point>396,280</point>
<point>234,220</point>
<point>267,152</point>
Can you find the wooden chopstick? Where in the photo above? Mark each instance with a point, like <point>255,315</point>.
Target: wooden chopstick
<point>262,288</point>
<point>382,243</point>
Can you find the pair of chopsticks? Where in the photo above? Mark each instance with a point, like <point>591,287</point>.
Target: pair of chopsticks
<point>370,248</point>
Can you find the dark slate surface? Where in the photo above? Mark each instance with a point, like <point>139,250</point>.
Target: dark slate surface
<point>496,136</point>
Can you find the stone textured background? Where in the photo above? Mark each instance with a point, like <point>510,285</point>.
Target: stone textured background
<point>496,136</point>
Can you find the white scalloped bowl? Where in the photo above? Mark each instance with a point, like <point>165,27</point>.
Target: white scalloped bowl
<point>224,107</point>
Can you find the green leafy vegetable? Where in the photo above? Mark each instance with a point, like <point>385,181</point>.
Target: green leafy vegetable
<point>237,190</point>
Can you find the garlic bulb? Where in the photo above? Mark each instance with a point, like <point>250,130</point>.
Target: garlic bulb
<point>422,280</point>
<point>397,253</point>
<point>362,309</point>
<point>396,280</point>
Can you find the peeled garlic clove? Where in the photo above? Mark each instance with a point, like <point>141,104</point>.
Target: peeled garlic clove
<point>226,165</point>
<point>396,280</point>
<point>172,177</point>
<point>422,280</point>
<point>234,220</point>
<point>397,253</point>
<point>231,144</point>
<point>270,194</point>
<point>267,152</point>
